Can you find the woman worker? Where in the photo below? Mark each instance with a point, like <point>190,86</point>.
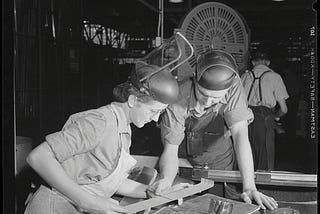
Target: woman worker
<point>88,161</point>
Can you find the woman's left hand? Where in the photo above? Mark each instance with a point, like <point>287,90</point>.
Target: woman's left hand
<point>261,199</point>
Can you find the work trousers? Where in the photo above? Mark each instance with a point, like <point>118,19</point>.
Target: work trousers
<point>262,138</point>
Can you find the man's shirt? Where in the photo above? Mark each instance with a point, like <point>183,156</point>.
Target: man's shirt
<point>272,87</point>
<point>233,107</point>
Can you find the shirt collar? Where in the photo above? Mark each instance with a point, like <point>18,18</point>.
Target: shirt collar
<point>123,125</point>
<point>261,68</point>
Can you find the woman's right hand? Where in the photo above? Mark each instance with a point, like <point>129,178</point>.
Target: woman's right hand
<point>159,187</point>
<point>104,205</point>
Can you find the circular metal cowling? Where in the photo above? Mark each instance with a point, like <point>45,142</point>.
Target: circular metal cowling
<point>218,26</point>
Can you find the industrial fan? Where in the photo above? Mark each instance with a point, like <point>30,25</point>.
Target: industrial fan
<point>214,25</point>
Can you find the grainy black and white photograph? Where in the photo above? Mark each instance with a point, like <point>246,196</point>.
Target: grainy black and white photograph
<point>159,106</point>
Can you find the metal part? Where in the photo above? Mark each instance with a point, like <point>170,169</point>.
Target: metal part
<point>279,178</point>
<point>145,175</point>
<point>220,207</point>
<point>153,202</point>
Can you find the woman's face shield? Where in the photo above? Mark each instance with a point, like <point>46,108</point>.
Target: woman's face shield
<point>168,56</point>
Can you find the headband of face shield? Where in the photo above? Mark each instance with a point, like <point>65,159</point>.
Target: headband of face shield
<point>216,70</point>
<point>162,86</point>
<point>153,73</point>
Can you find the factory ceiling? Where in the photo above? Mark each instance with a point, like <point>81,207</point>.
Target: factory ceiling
<point>265,18</point>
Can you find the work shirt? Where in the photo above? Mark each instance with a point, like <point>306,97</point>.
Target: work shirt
<point>88,146</point>
<point>233,107</point>
<point>272,87</point>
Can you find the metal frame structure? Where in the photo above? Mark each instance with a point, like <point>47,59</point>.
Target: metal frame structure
<point>102,35</point>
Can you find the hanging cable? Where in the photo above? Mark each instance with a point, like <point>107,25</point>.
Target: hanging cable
<point>159,38</point>
<point>159,20</point>
<point>15,50</point>
<point>52,22</point>
<point>161,12</point>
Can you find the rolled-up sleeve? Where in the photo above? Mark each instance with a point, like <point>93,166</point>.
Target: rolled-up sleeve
<point>237,109</point>
<point>280,91</point>
<point>172,125</point>
<point>78,135</point>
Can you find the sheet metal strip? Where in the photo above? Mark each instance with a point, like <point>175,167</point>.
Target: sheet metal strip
<point>153,202</point>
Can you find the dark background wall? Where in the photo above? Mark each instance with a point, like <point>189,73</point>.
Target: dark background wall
<point>59,72</point>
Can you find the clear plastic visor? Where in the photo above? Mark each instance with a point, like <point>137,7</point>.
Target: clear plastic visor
<point>168,56</point>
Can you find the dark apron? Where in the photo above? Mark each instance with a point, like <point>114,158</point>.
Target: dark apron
<point>205,142</point>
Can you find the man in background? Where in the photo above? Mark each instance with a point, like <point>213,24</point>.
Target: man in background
<point>265,90</point>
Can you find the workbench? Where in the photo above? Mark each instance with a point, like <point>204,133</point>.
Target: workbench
<point>200,205</point>
<point>294,192</point>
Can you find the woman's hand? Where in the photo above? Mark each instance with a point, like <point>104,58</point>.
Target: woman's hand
<point>261,199</point>
<point>104,205</point>
<point>163,186</point>
<point>159,187</point>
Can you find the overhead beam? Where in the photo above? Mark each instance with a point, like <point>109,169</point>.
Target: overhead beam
<point>251,8</point>
<point>148,5</point>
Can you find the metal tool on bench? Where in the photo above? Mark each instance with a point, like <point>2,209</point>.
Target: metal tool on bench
<point>220,207</point>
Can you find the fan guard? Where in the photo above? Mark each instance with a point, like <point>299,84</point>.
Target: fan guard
<point>214,25</point>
